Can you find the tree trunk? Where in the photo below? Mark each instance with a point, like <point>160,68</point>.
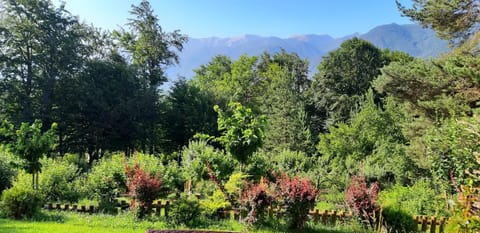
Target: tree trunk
<point>36,180</point>
<point>33,180</point>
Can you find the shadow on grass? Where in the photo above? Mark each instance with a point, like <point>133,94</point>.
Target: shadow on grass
<point>50,216</point>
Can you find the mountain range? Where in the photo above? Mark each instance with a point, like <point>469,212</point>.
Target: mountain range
<point>409,38</point>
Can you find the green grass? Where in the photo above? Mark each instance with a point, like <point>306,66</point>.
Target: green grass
<point>60,222</point>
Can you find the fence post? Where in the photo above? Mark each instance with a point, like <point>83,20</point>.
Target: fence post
<point>324,216</point>
<point>167,203</point>
<point>158,208</point>
<point>58,206</point>
<point>66,207</point>
<point>334,217</point>
<point>442,225</point>
<point>433,225</point>
<point>315,216</point>
<point>74,207</point>
<point>424,223</point>
<point>50,206</point>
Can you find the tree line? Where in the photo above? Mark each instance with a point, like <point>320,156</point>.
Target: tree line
<point>393,116</point>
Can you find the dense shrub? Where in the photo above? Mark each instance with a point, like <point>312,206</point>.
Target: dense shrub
<point>258,166</point>
<point>292,162</point>
<point>256,198</point>
<point>143,188</point>
<point>57,181</point>
<point>212,204</point>
<point>400,204</point>
<point>398,221</point>
<point>184,210</point>
<point>20,201</point>
<point>419,199</point>
<point>106,181</point>
<point>297,196</point>
<point>362,200</point>
<point>6,175</point>
<point>197,153</point>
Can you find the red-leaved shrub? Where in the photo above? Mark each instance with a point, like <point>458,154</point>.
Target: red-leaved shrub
<point>143,188</point>
<point>297,196</point>
<point>256,198</point>
<point>362,200</point>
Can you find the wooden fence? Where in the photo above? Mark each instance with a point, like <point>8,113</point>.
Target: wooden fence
<point>424,223</point>
<point>159,208</point>
<point>430,224</point>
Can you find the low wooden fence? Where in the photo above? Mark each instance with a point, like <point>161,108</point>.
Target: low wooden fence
<point>424,223</point>
<point>430,224</point>
<point>159,208</point>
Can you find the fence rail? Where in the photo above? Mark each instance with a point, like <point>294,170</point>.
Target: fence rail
<point>424,223</point>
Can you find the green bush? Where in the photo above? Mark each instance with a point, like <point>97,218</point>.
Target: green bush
<point>20,201</point>
<point>6,175</point>
<point>184,210</point>
<point>419,199</point>
<point>398,221</point>
<point>194,158</point>
<point>57,181</point>
<point>400,205</point>
<point>106,181</point>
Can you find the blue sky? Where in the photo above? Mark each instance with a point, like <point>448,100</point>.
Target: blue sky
<point>226,18</point>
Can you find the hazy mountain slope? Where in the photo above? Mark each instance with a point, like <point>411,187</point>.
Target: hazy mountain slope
<point>411,38</point>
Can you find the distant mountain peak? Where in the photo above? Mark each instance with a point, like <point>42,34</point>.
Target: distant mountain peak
<point>409,38</point>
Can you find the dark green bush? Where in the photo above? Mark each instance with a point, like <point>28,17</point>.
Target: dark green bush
<point>20,201</point>
<point>184,210</point>
<point>398,221</point>
<point>6,175</point>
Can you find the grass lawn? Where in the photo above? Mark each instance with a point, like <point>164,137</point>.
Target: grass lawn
<point>60,222</point>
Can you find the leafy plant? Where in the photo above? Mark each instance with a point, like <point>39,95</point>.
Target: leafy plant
<point>20,201</point>
<point>256,198</point>
<point>242,132</point>
<point>363,200</point>
<point>57,182</point>
<point>143,188</point>
<point>106,181</point>
<point>297,196</point>
<point>184,210</point>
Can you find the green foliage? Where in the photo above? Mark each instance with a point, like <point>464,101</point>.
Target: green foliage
<point>451,148</point>
<point>184,210</point>
<point>456,21</point>
<point>6,174</point>
<point>189,111</point>
<point>151,48</point>
<point>292,162</point>
<point>106,180</point>
<point>20,201</point>
<point>398,221</point>
<point>57,181</point>
<point>373,137</point>
<point>438,88</point>
<point>242,131</point>
<point>283,104</point>
<point>194,158</point>
<point>214,203</point>
<point>418,199</point>
<point>31,144</point>
<point>343,77</point>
